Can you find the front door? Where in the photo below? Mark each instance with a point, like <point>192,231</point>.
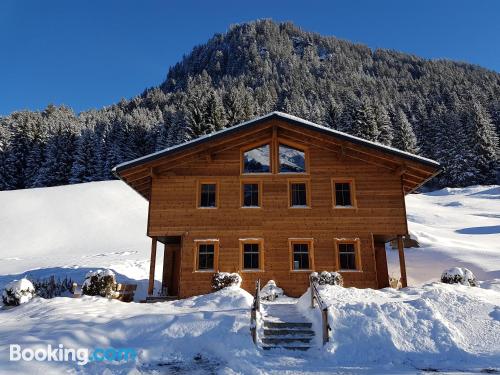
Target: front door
<point>171,267</point>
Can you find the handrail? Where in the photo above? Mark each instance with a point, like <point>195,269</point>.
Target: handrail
<point>255,309</point>
<point>315,296</point>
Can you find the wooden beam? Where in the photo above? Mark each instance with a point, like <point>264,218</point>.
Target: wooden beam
<point>152,265</point>
<point>274,151</point>
<point>153,173</point>
<point>164,280</point>
<point>342,153</point>
<point>402,264</point>
<point>401,170</point>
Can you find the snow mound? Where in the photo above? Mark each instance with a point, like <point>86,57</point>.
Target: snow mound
<point>167,335</point>
<point>232,297</point>
<point>271,291</point>
<point>434,326</point>
<point>458,275</point>
<point>18,292</point>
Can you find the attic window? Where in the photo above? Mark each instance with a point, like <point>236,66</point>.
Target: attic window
<point>257,160</point>
<point>291,160</point>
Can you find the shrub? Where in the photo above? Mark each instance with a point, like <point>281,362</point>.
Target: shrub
<point>17,292</point>
<point>222,280</point>
<point>327,278</point>
<point>50,288</point>
<point>459,275</point>
<point>271,291</point>
<point>99,283</point>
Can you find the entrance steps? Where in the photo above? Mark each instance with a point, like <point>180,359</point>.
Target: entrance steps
<point>284,327</point>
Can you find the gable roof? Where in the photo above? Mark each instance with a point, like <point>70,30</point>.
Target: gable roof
<point>273,115</point>
<point>120,169</point>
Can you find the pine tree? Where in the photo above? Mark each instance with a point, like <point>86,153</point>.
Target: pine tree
<point>85,166</point>
<point>61,147</point>
<point>404,137</point>
<point>384,125</point>
<point>4,144</point>
<point>484,141</point>
<point>20,164</point>
<point>215,115</point>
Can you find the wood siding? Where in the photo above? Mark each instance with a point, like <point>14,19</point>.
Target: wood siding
<point>173,211</point>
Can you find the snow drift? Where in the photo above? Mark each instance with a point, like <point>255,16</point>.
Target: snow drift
<point>440,326</point>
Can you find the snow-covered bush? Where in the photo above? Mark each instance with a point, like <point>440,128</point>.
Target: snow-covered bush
<point>50,288</point>
<point>459,275</point>
<point>99,283</point>
<point>327,278</point>
<point>271,291</point>
<point>222,280</point>
<point>17,292</point>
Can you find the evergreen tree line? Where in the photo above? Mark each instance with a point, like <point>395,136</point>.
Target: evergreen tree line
<point>438,109</point>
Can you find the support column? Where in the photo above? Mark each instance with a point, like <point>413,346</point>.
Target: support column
<point>152,265</point>
<point>165,275</point>
<point>402,263</point>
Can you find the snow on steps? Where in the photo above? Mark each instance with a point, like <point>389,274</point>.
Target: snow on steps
<point>285,327</point>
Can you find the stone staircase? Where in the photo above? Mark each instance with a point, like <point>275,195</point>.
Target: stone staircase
<point>285,328</point>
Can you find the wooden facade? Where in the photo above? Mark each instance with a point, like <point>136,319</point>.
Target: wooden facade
<point>378,178</point>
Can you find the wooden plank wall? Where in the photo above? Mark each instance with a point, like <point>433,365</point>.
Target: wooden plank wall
<point>380,210</point>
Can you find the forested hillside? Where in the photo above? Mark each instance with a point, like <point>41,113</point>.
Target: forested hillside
<point>444,110</point>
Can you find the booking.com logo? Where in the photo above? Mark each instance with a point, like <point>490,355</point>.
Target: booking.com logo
<point>81,356</point>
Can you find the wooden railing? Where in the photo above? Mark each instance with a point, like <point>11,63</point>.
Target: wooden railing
<point>254,311</point>
<point>316,299</point>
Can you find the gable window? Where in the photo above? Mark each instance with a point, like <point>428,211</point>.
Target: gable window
<point>251,194</point>
<point>301,254</point>
<point>207,195</point>
<point>348,254</point>
<point>298,193</point>
<point>206,255</point>
<point>343,193</point>
<point>291,160</point>
<point>257,160</point>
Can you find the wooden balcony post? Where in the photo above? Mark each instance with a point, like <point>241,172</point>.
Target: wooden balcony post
<point>165,275</point>
<point>402,264</point>
<point>152,264</point>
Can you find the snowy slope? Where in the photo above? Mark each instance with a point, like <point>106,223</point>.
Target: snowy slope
<point>70,230</point>
<point>455,227</point>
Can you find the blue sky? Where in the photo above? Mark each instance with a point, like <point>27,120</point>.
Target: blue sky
<point>90,53</point>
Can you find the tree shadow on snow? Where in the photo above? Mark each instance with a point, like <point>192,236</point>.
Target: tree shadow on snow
<point>492,229</point>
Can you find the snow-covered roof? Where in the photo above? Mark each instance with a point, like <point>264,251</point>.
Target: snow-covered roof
<point>279,116</point>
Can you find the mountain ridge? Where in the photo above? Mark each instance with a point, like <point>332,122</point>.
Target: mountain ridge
<point>444,110</point>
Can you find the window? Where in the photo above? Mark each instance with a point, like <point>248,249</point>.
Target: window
<point>348,254</point>
<point>298,193</point>
<point>207,195</point>
<point>250,194</point>
<point>206,255</point>
<point>252,254</point>
<point>343,193</point>
<point>301,254</point>
<point>291,160</point>
<point>257,160</point>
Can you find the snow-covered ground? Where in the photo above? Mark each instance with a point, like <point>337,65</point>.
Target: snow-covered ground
<point>73,229</point>
<point>455,227</point>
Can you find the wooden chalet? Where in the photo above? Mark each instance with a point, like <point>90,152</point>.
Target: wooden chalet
<point>277,197</point>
